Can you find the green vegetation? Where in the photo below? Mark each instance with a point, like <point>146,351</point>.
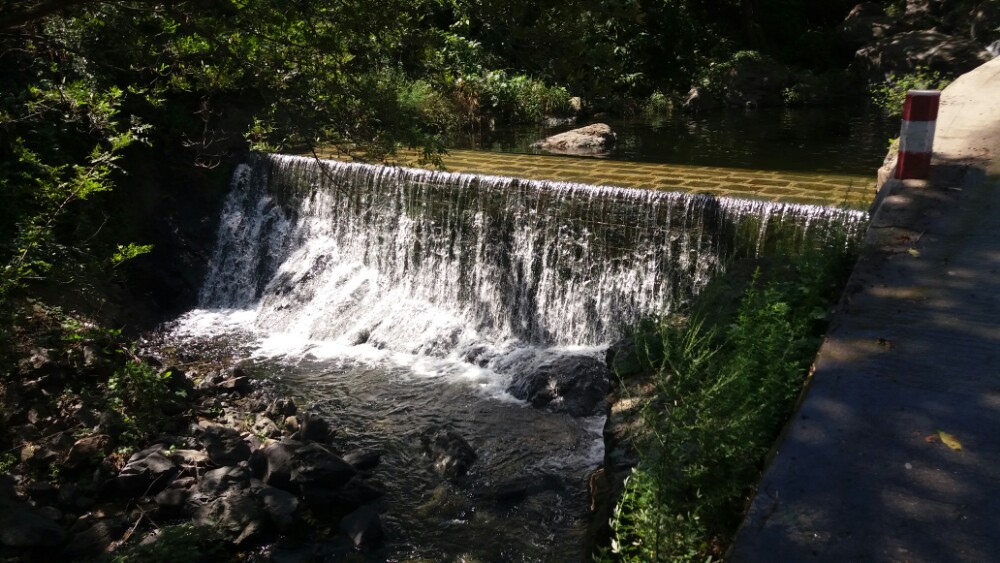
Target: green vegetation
<point>724,381</point>
<point>183,543</point>
<point>891,94</point>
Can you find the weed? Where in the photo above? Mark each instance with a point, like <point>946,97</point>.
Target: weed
<point>723,390</point>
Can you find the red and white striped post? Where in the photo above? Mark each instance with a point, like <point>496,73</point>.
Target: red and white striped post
<point>916,139</point>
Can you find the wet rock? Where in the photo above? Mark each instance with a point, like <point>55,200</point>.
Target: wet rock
<point>88,449</point>
<point>218,481</point>
<point>22,527</point>
<point>224,445</point>
<point>264,426</point>
<point>520,487</point>
<point>314,428</point>
<point>279,463</point>
<point>291,424</point>
<point>338,501</point>
<point>576,384</point>
<point>314,465</point>
<point>591,139</point>
<point>280,409</point>
<point>281,507</point>
<point>236,514</point>
<point>363,460</point>
<point>363,527</point>
<point>451,455</point>
<point>147,475</point>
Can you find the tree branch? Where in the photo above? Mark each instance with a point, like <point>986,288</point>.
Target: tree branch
<point>38,12</point>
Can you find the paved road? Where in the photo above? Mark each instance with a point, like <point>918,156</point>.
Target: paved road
<point>864,472</point>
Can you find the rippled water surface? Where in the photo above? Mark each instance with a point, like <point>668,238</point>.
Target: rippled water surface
<point>524,499</point>
<point>808,140</point>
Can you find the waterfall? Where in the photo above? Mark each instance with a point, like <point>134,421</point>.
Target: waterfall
<point>428,262</point>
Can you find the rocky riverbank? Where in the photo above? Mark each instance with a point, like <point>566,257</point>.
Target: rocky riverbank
<point>219,462</point>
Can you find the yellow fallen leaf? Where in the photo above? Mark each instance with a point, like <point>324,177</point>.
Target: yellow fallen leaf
<point>914,252</point>
<point>950,441</point>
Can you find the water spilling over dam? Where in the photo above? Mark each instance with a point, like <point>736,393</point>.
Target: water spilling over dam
<point>394,298</point>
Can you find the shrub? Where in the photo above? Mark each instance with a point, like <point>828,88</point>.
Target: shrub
<point>722,395</point>
<point>891,94</point>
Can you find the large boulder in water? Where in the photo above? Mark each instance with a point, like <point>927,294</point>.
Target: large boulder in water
<point>574,383</point>
<point>591,139</point>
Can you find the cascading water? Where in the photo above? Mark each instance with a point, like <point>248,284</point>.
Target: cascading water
<point>397,298</point>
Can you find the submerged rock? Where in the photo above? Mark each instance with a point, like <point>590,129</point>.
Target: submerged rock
<point>451,455</point>
<point>591,139</point>
<point>363,527</point>
<point>576,384</point>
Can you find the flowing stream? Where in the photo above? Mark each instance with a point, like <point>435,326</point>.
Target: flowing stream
<point>396,300</point>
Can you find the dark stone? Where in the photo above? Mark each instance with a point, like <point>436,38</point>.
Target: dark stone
<point>42,492</point>
<point>7,485</point>
<point>171,502</point>
<point>520,487</point>
<point>258,463</point>
<point>282,507</point>
<point>363,460</point>
<point>451,455</point>
<point>22,527</point>
<point>314,428</point>
<point>264,426</point>
<point>218,481</point>
<point>315,465</point>
<point>177,380</point>
<point>623,360</point>
<point>279,463</point>
<point>281,409</point>
<point>96,539</point>
<point>146,476</point>
<point>236,513</point>
<point>224,445</point>
<point>339,501</point>
<point>573,383</point>
<point>88,449</point>
<point>51,512</point>
<point>363,527</point>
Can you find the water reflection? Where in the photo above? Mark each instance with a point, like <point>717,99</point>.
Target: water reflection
<point>816,140</point>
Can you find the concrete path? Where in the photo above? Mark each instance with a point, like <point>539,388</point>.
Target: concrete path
<point>869,469</point>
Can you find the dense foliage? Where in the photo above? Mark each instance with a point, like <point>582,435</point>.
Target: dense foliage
<point>724,381</point>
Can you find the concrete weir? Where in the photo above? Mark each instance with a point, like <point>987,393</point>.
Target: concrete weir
<point>894,453</point>
<point>851,191</point>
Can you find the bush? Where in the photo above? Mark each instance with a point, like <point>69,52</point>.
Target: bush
<point>138,393</point>
<point>891,94</point>
<point>513,99</point>
<point>722,394</point>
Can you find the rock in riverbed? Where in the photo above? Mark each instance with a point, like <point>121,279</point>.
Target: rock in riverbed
<point>596,138</point>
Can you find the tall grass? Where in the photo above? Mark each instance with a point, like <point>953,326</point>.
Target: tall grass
<point>723,391</point>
